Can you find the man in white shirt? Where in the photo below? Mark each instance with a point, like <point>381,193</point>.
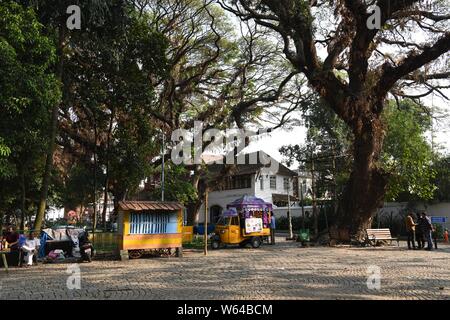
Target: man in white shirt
<point>30,247</point>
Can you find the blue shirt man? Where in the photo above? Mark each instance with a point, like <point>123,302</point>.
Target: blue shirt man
<point>272,229</point>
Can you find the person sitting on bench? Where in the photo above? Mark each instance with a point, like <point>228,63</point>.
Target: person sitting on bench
<point>30,248</point>
<point>12,238</point>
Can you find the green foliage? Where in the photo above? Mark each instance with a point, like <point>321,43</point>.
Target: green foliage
<point>406,153</point>
<point>327,145</point>
<point>110,73</point>
<point>4,150</point>
<point>442,178</point>
<point>28,90</point>
<point>177,186</point>
<point>79,187</point>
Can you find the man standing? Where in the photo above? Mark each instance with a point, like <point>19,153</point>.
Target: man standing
<point>411,229</point>
<point>272,228</point>
<point>427,229</point>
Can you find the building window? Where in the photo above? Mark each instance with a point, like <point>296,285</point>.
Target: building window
<point>286,184</point>
<point>214,213</point>
<point>261,183</point>
<point>273,182</point>
<point>238,182</point>
<point>153,223</point>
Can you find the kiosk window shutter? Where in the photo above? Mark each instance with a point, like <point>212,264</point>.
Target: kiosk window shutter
<point>153,223</point>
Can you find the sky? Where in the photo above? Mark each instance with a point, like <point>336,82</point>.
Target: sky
<point>297,135</point>
<point>273,142</point>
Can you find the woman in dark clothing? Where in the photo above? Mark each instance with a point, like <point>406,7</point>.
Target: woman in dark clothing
<point>419,233</point>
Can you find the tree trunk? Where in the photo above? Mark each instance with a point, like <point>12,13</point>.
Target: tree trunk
<point>314,198</point>
<point>193,208</point>
<point>105,200</point>
<point>52,138</point>
<point>108,142</point>
<point>193,211</point>
<point>23,199</point>
<point>365,190</point>
<point>2,216</point>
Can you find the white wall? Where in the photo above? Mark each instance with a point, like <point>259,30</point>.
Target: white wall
<point>295,211</point>
<point>266,193</point>
<point>394,208</point>
<point>224,197</point>
<point>439,209</point>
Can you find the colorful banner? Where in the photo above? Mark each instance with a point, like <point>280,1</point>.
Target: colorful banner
<point>253,225</point>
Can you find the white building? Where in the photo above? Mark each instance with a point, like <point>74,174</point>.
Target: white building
<point>252,180</point>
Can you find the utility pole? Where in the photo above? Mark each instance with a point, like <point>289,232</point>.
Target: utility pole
<point>291,234</point>
<point>303,206</point>
<point>314,203</point>
<point>335,202</point>
<point>162,166</point>
<point>206,223</point>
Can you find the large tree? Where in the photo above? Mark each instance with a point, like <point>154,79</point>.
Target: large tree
<point>218,75</point>
<point>109,96</point>
<point>28,91</point>
<point>375,62</point>
<point>406,154</point>
<point>53,15</point>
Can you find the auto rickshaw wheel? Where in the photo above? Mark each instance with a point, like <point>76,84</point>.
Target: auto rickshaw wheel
<point>215,244</point>
<point>256,242</point>
<point>243,244</point>
<point>135,254</point>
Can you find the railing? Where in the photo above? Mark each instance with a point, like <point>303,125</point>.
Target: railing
<point>188,234</point>
<point>104,242</point>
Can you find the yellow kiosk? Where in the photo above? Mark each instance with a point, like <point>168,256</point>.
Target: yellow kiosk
<point>150,226</point>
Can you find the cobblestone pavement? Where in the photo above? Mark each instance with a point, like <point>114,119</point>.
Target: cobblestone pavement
<point>283,271</point>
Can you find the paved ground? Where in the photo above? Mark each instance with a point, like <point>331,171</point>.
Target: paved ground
<point>284,271</point>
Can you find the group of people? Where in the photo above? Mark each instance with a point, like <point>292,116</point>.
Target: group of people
<point>28,246</point>
<point>419,231</point>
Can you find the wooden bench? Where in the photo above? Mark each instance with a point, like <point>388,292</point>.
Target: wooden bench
<point>375,235</point>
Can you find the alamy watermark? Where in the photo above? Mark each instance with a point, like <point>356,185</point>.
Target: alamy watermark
<point>74,20</point>
<point>73,281</point>
<point>374,20</point>
<point>373,278</point>
<point>188,147</point>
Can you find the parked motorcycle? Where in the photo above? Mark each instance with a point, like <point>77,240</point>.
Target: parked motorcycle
<point>86,247</point>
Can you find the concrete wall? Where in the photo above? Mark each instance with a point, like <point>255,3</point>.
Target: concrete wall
<point>390,208</point>
<point>396,208</point>
<point>295,211</point>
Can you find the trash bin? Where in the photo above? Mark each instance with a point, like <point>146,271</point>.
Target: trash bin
<point>303,235</point>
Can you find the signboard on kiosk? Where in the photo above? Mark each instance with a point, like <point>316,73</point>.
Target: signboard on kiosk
<point>253,225</point>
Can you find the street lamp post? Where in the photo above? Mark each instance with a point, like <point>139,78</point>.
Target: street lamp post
<point>291,234</point>
<point>303,206</point>
<point>205,239</point>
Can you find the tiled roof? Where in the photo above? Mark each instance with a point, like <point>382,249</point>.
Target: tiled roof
<point>149,205</point>
<point>247,168</point>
